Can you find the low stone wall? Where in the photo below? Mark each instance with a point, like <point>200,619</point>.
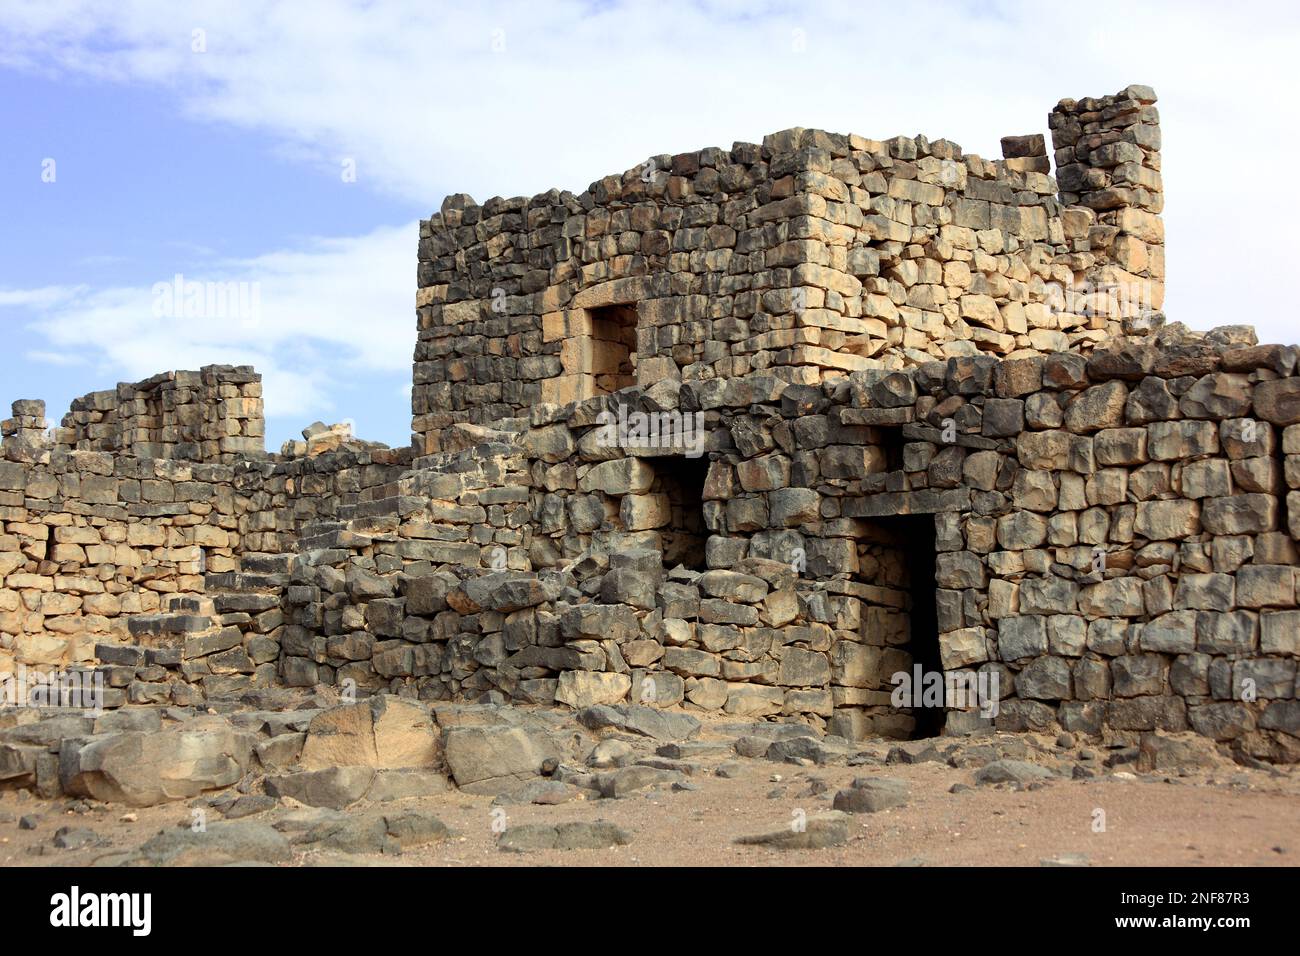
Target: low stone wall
<point>90,540</point>
<point>754,641</point>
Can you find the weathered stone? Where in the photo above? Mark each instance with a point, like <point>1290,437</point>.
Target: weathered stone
<point>575,835</point>
<point>144,769</point>
<point>491,759</point>
<point>1278,401</point>
<point>871,795</point>
<point>1011,771</point>
<point>382,732</point>
<point>335,787</point>
<point>814,832</point>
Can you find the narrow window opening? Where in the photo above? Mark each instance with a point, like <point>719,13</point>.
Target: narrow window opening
<point>613,348</point>
<point>681,481</point>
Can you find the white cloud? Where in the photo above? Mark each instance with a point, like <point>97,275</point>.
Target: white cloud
<point>55,358</point>
<point>323,311</point>
<point>415,93</point>
<point>42,298</point>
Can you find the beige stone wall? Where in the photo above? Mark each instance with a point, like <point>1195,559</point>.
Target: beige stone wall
<point>89,540</point>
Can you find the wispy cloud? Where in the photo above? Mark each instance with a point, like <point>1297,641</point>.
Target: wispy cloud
<point>55,358</point>
<point>45,297</point>
<point>322,312</point>
<point>517,97</point>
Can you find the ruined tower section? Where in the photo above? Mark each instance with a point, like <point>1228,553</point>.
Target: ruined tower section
<point>1108,170</point>
<point>811,255</point>
<point>212,415</point>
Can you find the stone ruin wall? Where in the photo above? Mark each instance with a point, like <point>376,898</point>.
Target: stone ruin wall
<point>814,255</point>
<point>120,513</point>
<point>212,415</point>
<point>1115,536</point>
<point>871,335</point>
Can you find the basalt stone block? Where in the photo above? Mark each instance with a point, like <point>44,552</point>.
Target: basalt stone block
<point>1280,633</point>
<point>689,662</point>
<point>970,375</point>
<point>1018,377</point>
<point>580,689</point>
<point>1131,363</point>
<point>1227,632</point>
<point>1204,591</point>
<point>1280,358</point>
<point>1138,675</point>
<point>491,759</point>
<point>1240,514</point>
<point>1101,406</point>
<point>1066,634</point>
<point>1091,679</point>
<point>1147,713</point>
<point>1283,715</point>
<point>1044,678</point>
<point>800,668</point>
<point>1269,678</point>
<point>1082,717</point>
<point>895,390</point>
<point>1065,371</point>
<point>1278,401</point>
<point>959,569</point>
<point>753,700</point>
<point>1172,633</point>
<point>1003,417</point>
<point>628,586</point>
<point>1048,595</point>
<point>1179,441</point>
<point>1221,721</point>
<point>1264,585</point>
<point>1190,359</point>
<point>1117,597</point>
<point>1107,637</point>
<point>1151,401</point>
<point>1021,636</point>
<point>1217,396</point>
<point>335,787</point>
<point>1017,716</point>
<point>793,507</point>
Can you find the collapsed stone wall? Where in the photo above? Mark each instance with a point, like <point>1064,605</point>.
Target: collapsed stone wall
<point>813,254</point>
<point>212,415</point>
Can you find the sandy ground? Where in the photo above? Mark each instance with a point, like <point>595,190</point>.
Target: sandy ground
<point>1230,816</point>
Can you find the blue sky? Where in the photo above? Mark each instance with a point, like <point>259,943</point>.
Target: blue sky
<point>211,140</point>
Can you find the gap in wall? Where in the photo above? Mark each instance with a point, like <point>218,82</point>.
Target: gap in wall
<point>912,537</point>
